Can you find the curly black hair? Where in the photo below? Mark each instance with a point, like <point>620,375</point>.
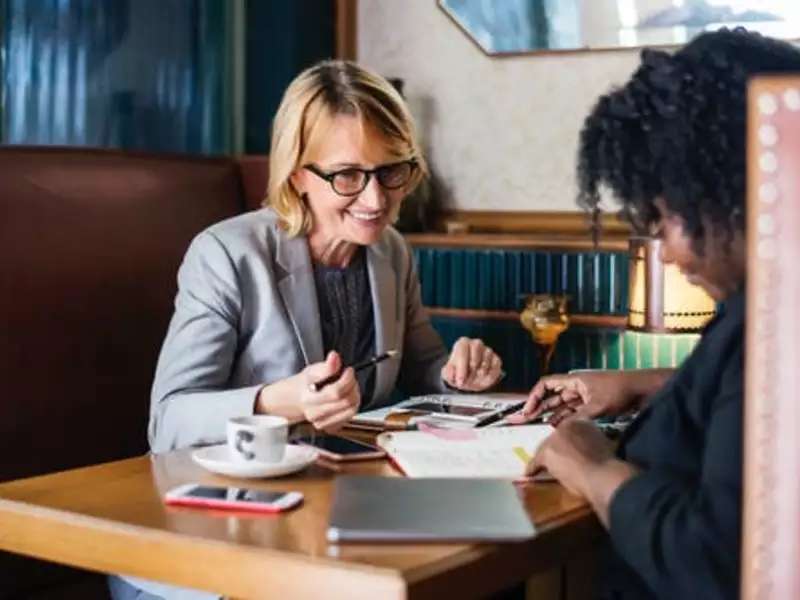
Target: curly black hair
<point>676,130</point>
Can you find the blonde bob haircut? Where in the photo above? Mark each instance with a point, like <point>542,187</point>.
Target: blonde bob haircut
<point>310,104</point>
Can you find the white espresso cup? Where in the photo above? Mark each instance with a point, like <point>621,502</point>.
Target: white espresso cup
<point>257,438</point>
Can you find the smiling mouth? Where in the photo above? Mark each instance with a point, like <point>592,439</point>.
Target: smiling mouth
<point>366,216</point>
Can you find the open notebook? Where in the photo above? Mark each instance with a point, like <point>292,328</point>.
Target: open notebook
<point>446,410</point>
<point>491,453</point>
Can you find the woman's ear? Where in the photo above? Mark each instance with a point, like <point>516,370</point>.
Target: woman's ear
<point>297,180</point>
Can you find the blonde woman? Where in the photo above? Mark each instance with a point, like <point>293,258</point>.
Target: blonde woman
<point>277,299</point>
<point>272,301</point>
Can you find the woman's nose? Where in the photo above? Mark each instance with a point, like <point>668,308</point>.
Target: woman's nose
<point>373,196</point>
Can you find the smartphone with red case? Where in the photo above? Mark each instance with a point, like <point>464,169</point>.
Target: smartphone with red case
<point>232,498</point>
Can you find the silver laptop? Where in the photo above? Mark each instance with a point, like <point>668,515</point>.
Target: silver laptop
<point>396,509</point>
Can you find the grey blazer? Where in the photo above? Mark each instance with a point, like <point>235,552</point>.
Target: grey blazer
<point>246,315</point>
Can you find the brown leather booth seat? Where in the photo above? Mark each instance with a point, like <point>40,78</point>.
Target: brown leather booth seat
<point>90,243</point>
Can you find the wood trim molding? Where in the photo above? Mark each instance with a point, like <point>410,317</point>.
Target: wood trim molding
<point>599,321</point>
<point>529,241</point>
<point>346,29</point>
<point>771,545</point>
<point>576,223</point>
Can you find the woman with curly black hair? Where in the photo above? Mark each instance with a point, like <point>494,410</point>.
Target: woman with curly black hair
<point>670,145</point>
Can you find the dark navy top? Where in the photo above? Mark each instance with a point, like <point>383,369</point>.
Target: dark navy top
<point>675,528</point>
<point>346,316</point>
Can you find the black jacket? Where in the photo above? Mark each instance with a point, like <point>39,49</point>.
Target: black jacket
<point>675,528</point>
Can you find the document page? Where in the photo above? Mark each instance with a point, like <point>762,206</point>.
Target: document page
<point>493,453</point>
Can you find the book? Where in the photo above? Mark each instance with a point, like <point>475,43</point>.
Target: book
<point>371,509</point>
<point>496,453</point>
<point>441,410</point>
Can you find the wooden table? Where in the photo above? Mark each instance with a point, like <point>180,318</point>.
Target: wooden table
<point>111,518</point>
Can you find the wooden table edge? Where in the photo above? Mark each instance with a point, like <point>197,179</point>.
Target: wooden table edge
<point>28,529</point>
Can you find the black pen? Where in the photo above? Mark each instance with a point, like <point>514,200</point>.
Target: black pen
<point>315,387</point>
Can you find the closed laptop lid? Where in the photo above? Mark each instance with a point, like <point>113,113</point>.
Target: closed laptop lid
<point>398,509</point>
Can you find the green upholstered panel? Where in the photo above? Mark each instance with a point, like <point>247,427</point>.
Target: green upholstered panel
<point>578,348</point>
<point>498,279</point>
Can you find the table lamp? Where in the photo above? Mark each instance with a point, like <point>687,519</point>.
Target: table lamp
<point>661,299</point>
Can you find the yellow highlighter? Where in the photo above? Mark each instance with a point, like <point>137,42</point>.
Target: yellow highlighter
<point>522,454</point>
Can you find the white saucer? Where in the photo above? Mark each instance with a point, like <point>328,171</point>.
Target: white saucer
<point>216,459</point>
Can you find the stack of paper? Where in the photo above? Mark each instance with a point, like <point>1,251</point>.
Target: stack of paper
<point>490,453</point>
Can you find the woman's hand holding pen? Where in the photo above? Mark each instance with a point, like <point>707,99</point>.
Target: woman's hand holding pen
<point>333,405</point>
<point>296,399</point>
<point>589,394</point>
<point>472,366</point>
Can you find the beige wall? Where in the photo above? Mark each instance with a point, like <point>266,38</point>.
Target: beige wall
<point>501,132</point>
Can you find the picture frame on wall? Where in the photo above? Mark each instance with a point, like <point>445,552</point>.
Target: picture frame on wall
<point>516,27</point>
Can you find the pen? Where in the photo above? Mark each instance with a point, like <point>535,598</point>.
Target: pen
<point>315,387</point>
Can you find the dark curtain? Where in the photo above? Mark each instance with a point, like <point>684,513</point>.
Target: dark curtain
<point>283,38</point>
<point>151,74</point>
<point>135,74</point>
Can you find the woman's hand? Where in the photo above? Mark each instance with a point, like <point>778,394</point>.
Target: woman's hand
<point>582,459</point>
<point>570,451</point>
<point>334,405</point>
<point>587,394</point>
<point>472,366</point>
<point>294,398</point>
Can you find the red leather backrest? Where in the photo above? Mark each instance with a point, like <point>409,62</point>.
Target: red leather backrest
<point>90,243</point>
<point>254,172</point>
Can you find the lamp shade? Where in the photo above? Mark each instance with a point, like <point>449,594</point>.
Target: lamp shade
<point>660,298</point>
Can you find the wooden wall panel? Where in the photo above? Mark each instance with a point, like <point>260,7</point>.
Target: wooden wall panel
<point>541,222</point>
<point>346,29</point>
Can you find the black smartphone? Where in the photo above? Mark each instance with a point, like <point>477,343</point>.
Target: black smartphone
<point>334,447</point>
<point>460,410</point>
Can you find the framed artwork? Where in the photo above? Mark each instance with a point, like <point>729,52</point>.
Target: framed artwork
<point>515,27</point>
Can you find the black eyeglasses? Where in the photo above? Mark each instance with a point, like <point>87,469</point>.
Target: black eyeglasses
<point>352,181</point>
